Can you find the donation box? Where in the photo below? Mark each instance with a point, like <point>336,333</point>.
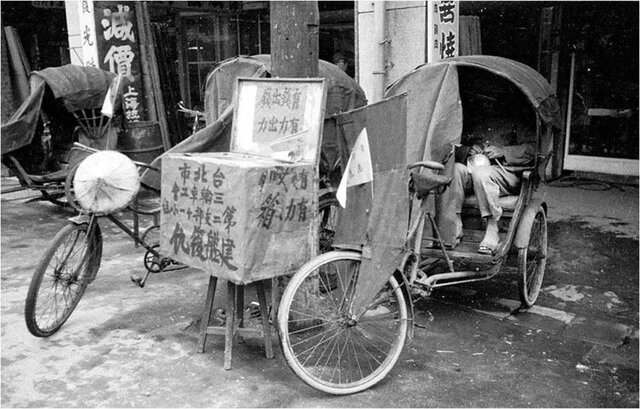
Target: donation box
<point>252,213</point>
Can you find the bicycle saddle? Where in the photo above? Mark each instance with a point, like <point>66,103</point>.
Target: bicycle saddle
<point>424,183</point>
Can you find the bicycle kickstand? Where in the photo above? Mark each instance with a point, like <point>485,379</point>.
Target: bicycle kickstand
<point>140,280</point>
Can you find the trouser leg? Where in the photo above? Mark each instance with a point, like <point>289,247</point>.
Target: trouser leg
<point>489,183</point>
<point>449,204</point>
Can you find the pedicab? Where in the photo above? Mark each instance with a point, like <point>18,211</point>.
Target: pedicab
<point>358,313</point>
<point>63,107</point>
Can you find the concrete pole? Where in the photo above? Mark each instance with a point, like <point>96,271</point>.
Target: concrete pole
<point>380,41</point>
<point>294,39</point>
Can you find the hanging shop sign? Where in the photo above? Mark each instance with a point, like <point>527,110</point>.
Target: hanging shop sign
<point>119,52</point>
<point>442,33</point>
<point>88,40</point>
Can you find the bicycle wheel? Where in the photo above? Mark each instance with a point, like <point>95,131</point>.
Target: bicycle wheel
<point>61,277</point>
<point>532,261</point>
<point>328,207</point>
<point>323,344</point>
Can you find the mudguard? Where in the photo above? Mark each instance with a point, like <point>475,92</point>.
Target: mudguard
<point>402,279</point>
<point>526,221</point>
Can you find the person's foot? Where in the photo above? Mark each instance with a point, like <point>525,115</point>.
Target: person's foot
<point>489,243</point>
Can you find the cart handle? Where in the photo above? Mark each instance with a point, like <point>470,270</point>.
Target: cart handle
<point>427,164</point>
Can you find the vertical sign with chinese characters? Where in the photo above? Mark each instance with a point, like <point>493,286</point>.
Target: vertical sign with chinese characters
<point>119,52</point>
<point>442,32</point>
<point>238,217</point>
<point>88,40</point>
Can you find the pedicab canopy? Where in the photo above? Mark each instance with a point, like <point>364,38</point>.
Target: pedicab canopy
<point>434,107</point>
<point>74,87</point>
<point>343,94</point>
<point>250,214</point>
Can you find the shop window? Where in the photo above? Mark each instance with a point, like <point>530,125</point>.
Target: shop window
<point>210,38</point>
<point>213,37</point>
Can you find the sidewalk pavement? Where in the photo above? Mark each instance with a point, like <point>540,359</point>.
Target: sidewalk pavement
<point>578,347</point>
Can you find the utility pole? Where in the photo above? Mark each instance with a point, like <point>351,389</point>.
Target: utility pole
<point>294,39</point>
<point>294,54</point>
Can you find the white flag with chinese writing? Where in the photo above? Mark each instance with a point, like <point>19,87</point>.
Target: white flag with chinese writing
<point>108,106</point>
<point>359,168</point>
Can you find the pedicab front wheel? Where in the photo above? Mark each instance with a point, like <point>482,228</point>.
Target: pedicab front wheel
<point>532,260</point>
<point>61,277</point>
<point>325,345</point>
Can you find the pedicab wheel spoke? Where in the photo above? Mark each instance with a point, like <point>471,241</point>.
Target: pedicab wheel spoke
<point>322,343</point>
<point>61,277</point>
<point>532,261</point>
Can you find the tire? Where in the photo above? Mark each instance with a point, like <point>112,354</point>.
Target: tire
<point>532,260</point>
<point>328,207</point>
<point>322,345</point>
<point>61,277</point>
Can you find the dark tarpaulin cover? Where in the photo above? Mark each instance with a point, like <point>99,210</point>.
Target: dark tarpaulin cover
<point>343,94</point>
<point>434,117</point>
<point>77,87</point>
<point>377,225</point>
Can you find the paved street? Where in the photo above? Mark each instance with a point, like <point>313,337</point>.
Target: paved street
<point>131,347</point>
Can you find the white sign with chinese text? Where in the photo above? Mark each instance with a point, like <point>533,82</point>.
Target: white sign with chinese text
<point>442,34</point>
<point>88,40</point>
<point>279,118</point>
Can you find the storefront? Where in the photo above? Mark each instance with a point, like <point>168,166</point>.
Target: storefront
<point>587,50</point>
<point>601,68</point>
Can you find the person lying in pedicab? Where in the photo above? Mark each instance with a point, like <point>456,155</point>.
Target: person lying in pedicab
<point>486,164</point>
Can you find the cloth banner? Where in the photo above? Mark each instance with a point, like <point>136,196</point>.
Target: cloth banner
<point>376,225</point>
<point>359,169</point>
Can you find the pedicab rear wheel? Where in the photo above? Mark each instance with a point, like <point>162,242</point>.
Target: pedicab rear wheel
<point>61,277</point>
<point>325,346</point>
<point>532,260</point>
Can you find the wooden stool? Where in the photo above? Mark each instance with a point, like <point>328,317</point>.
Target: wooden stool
<point>234,320</point>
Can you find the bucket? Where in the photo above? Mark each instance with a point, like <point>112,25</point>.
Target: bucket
<point>142,141</point>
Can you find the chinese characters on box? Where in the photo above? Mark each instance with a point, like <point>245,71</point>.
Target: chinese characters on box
<point>236,216</point>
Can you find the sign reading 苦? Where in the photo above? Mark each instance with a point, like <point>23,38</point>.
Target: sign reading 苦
<point>442,35</point>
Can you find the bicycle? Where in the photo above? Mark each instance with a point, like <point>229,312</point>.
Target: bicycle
<point>72,260</point>
<point>340,343</point>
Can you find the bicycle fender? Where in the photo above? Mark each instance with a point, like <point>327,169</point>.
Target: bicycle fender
<point>80,219</point>
<point>526,221</point>
<point>402,279</point>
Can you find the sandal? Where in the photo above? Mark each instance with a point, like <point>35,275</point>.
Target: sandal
<point>486,247</point>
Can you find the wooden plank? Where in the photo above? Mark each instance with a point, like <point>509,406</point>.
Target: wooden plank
<point>155,80</point>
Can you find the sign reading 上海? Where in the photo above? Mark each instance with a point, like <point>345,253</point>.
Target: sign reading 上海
<point>442,37</point>
<point>279,118</point>
<point>119,52</point>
